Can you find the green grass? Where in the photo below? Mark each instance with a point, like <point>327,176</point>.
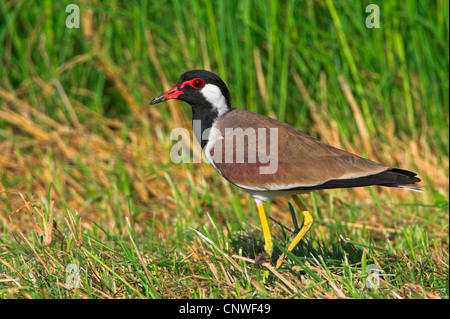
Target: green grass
<point>86,176</point>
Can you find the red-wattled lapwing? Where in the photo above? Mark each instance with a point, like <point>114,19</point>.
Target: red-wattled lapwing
<point>268,158</point>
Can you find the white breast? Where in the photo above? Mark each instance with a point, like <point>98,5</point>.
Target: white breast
<point>215,136</point>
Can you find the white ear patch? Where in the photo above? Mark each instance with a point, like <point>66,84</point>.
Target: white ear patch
<point>213,95</point>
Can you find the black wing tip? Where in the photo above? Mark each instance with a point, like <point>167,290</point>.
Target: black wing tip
<point>405,180</point>
<point>403,172</point>
<point>395,177</point>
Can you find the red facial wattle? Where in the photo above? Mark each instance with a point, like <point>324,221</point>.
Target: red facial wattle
<point>174,93</point>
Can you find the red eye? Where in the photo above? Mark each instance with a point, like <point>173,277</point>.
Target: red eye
<point>197,83</point>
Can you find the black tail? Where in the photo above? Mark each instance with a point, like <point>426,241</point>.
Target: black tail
<point>394,177</point>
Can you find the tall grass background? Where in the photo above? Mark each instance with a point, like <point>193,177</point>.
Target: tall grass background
<point>85,172</point>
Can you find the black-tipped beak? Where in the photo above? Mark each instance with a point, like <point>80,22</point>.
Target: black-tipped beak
<point>171,94</point>
<point>159,99</point>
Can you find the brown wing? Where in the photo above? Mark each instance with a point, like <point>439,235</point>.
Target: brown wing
<point>300,160</point>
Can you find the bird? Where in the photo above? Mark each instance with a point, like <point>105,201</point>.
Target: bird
<point>270,158</point>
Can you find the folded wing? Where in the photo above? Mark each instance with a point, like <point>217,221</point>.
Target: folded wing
<point>253,144</point>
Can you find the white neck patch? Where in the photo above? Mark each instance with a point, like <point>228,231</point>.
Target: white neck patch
<point>213,95</point>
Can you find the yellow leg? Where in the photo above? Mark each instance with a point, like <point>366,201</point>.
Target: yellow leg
<point>307,222</point>
<point>268,245</point>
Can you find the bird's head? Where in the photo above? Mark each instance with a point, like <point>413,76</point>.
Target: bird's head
<point>201,89</point>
